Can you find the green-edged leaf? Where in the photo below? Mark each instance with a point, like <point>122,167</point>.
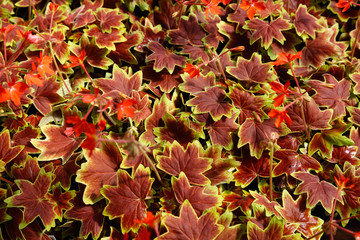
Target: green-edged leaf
<point>34,200</point>
<point>127,199</point>
<point>8,153</point>
<point>105,40</point>
<point>100,169</point>
<point>189,226</point>
<point>305,22</point>
<point>45,96</point>
<point>110,18</point>
<point>56,145</point>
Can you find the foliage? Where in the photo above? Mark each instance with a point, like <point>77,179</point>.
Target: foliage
<point>179,119</point>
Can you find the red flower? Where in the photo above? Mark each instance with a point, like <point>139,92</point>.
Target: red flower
<point>34,78</point>
<point>346,4</point>
<point>280,117</point>
<point>150,219</point>
<point>357,236</point>
<point>16,91</point>
<point>53,6</point>
<point>341,183</point>
<point>7,29</point>
<point>29,37</point>
<point>281,90</point>
<point>82,126</point>
<point>77,61</point>
<point>284,58</point>
<point>192,70</point>
<point>125,108</point>
<point>4,94</point>
<point>251,6</point>
<point>212,6</point>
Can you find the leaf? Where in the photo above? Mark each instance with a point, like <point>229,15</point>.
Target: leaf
<point>46,96</point>
<point>188,32</point>
<point>56,145</point>
<point>178,160</point>
<point>262,200</point>
<point>175,130</point>
<point>250,70</point>
<point>166,81</point>
<point>243,201</point>
<point>201,198</point>
<point>28,171</point>
<point>325,140</point>
<point>246,102</point>
<point>90,216</point>
<point>65,171</point>
<point>228,233</point>
<point>267,31</point>
<point>110,18</point>
<point>296,212</point>
<point>164,58</point>
<point>211,101</point>
<point>344,154</point>
<point>316,191</point>
<point>315,118</point>
<point>196,84</point>
<point>33,198</point>
<point>291,161</point>
<point>250,168</point>
<point>257,134</point>
<point>188,224</point>
<point>105,40</point>
<point>61,200</point>
<point>8,153</point>
<point>100,169</point>
<point>305,22</point>
<point>334,96</point>
<point>127,199</point>
<point>122,50</point>
<point>274,231</point>
<point>122,81</point>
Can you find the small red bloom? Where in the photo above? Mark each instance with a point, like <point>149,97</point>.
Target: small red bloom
<point>150,219</point>
<point>282,91</point>
<point>346,4</point>
<point>82,126</point>
<point>280,117</point>
<point>53,6</point>
<point>125,108</point>
<point>251,6</point>
<point>284,58</point>
<point>212,6</point>
<point>16,91</point>
<point>29,37</point>
<point>341,183</point>
<point>4,94</point>
<point>357,236</point>
<point>34,78</point>
<point>192,70</point>
<point>77,61</point>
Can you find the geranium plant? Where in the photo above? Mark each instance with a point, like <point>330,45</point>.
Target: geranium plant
<point>179,119</point>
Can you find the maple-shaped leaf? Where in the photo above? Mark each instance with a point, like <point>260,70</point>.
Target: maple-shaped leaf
<point>164,58</point>
<point>189,226</point>
<point>100,169</point>
<point>250,70</point>
<point>105,40</point>
<point>354,115</point>
<point>196,84</point>
<point>315,118</point>
<point>127,199</point>
<point>211,101</point>
<point>219,171</point>
<point>196,53</point>
<point>166,81</point>
<point>273,231</point>
<point>178,160</point>
<point>61,200</point>
<point>250,168</point>
<point>229,232</point>
<point>8,153</point>
<point>95,56</point>
<point>110,18</point>
<point>236,200</point>
<point>189,32</point>
<point>262,200</point>
<point>122,81</point>
<point>296,212</point>
<point>65,171</point>
<point>91,216</point>
<point>159,109</point>
<point>201,198</point>
<point>246,102</point>
<point>322,47</point>
<point>122,50</point>
<point>291,161</point>
<point>332,94</point>
<point>29,170</point>
<point>33,198</point>
<point>305,22</point>
<point>257,134</point>
<point>344,154</point>
<point>355,136</point>
<point>175,130</point>
<point>46,95</point>
<point>56,145</point>
<point>267,31</point>
<point>316,191</point>
<point>326,139</point>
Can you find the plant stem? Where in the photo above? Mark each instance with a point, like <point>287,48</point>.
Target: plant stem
<point>271,170</point>
<point>57,67</point>
<point>5,180</point>
<point>151,163</point>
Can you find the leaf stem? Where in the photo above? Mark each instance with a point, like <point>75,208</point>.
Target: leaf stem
<point>151,163</point>
<point>57,67</point>
<point>5,180</point>
<point>271,170</point>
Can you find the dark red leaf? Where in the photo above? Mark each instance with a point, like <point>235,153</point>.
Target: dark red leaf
<point>201,198</point>
<point>127,199</point>
<point>243,201</point>
<point>46,96</point>
<point>316,191</point>
<point>29,171</point>
<point>188,224</point>
<point>105,39</point>
<point>197,84</point>
<point>8,153</point>
<point>109,18</point>
<point>250,70</point>
<point>167,82</point>
<point>122,50</point>
<point>100,169</point>
<point>61,200</point>
<point>305,22</point>
<point>64,171</point>
<point>262,200</point>
<point>178,160</point>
